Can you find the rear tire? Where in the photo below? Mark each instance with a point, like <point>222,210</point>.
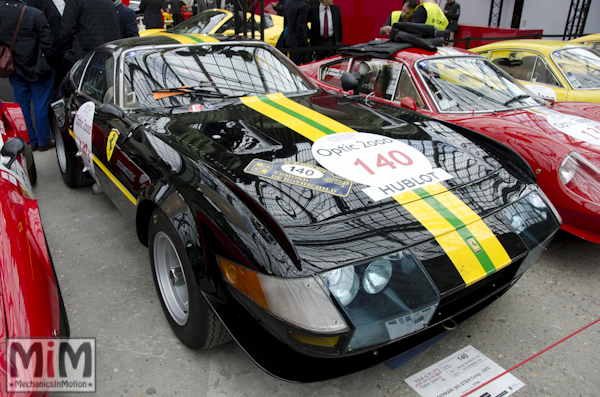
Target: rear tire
<point>68,164</point>
<point>189,315</point>
<point>31,170</point>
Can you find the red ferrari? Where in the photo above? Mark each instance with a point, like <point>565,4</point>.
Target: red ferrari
<point>560,141</point>
<point>30,299</point>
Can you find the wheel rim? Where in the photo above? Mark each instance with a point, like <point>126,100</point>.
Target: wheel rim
<point>61,154</point>
<point>171,279</point>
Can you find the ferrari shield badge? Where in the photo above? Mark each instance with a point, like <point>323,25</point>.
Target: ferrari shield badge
<point>112,141</point>
<point>474,245</point>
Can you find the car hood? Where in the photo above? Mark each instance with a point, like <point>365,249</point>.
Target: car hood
<point>563,128</point>
<point>262,147</point>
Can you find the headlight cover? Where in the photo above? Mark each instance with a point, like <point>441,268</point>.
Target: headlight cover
<point>581,177</point>
<point>395,298</point>
<point>536,221</point>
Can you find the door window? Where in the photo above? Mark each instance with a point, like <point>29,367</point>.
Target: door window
<point>98,79</point>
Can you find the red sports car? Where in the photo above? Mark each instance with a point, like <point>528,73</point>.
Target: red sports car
<point>30,299</point>
<point>560,141</point>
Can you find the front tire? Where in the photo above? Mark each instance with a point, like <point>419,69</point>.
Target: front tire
<point>189,315</point>
<point>68,164</point>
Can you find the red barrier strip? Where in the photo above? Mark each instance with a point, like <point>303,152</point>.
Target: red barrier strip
<point>530,358</point>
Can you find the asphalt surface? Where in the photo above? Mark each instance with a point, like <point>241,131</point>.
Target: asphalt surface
<point>108,290</point>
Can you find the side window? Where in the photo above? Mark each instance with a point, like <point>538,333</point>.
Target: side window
<point>519,64</point>
<point>332,73</point>
<point>543,74</point>
<point>378,76</point>
<point>406,87</point>
<point>98,78</point>
<point>77,71</point>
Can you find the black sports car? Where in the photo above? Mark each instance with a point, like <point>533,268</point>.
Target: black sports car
<point>324,233</point>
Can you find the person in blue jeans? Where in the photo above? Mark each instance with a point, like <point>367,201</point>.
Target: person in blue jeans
<point>33,56</point>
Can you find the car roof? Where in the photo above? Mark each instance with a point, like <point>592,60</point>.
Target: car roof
<point>165,38</point>
<point>589,37</point>
<point>545,46</point>
<point>414,54</point>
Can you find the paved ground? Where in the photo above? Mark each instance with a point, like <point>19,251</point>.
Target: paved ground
<point>109,294</point>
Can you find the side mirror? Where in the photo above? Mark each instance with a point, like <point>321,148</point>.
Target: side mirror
<point>111,110</point>
<point>408,103</point>
<point>349,82</point>
<point>13,148</point>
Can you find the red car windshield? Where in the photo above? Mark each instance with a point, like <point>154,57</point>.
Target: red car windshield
<point>466,84</point>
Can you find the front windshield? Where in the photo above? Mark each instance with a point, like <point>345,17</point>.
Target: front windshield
<point>176,76</point>
<point>465,84</point>
<point>202,23</point>
<point>581,66</point>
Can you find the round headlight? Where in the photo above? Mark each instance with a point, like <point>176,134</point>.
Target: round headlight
<point>377,275</point>
<point>343,284</point>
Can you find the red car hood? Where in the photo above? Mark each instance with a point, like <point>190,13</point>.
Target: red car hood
<point>551,130</point>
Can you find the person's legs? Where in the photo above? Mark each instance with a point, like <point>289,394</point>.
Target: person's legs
<point>42,95</point>
<point>22,93</point>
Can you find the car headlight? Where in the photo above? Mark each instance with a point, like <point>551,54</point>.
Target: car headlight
<point>385,299</point>
<point>581,177</point>
<point>536,221</point>
<point>343,284</point>
<point>298,301</point>
<point>377,275</point>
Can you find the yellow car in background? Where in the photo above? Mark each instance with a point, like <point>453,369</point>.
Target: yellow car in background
<point>591,40</point>
<point>555,70</point>
<point>222,21</point>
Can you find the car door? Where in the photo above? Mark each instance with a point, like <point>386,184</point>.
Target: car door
<point>532,70</point>
<point>108,161</point>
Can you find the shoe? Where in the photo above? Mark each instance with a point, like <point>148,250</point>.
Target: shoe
<point>34,148</point>
<point>50,145</point>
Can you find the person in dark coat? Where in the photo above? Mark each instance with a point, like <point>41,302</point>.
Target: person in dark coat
<point>319,36</point>
<point>33,56</point>
<point>452,11</point>
<point>152,10</point>
<point>85,25</point>
<point>127,20</point>
<point>296,32</point>
<point>176,11</point>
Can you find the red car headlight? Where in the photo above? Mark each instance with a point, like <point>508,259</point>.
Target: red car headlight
<point>581,177</point>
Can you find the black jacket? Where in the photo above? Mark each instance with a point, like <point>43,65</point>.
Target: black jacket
<point>296,14</point>
<point>452,15</point>
<point>85,25</point>
<point>153,18</point>
<point>34,39</point>
<point>127,21</point>
<point>315,28</point>
<point>53,17</point>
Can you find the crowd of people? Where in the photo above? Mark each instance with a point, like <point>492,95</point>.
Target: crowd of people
<point>54,34</point>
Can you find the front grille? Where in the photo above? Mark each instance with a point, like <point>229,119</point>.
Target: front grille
<point>464,298</point>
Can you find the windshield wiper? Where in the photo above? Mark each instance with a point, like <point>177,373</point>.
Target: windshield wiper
<point>167,92</point>
<point>517,98</point>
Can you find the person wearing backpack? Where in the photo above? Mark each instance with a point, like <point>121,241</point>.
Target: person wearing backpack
<point>33,54</point>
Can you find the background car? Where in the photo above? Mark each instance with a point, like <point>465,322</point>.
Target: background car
<point>557,70</point>
<point>30,298</point>
<point>312,229</point>
<point>592,40</point>
<point>559,140</point>
<point>222,21</point>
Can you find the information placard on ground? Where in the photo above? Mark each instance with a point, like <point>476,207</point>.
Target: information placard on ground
<point>462,372</point>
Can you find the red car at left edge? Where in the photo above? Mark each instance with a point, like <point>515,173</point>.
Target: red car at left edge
<point>30,299</point>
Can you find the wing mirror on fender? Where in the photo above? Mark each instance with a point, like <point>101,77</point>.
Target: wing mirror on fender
<point>408,103</point>
<point>349,82</point>
<point>111,110</point>
<point>12,149</point>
